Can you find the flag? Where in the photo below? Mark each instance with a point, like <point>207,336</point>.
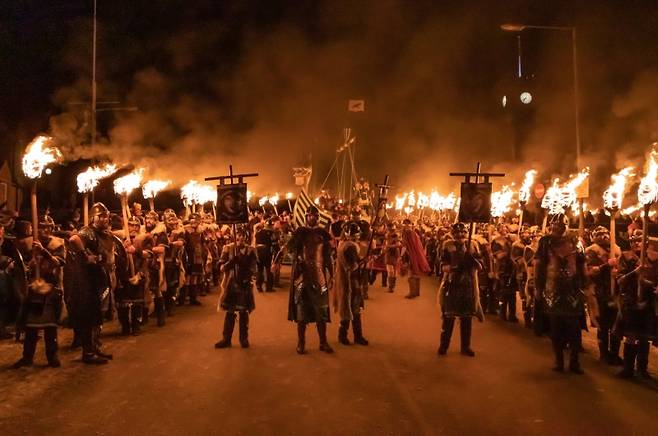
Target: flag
<point>356,105</point>
<point>302,204</point>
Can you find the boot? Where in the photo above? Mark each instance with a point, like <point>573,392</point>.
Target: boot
<point>29,347</point>
<point>194,289</point>
<point>88,350</point>
<point>558,351</point>
<point>613,355</point>
<point>384,278</point>
<point>124,319</point>
<point>574,364</point>
<point>135,323</point>
<point>416,286</point>
<point>342,332</point>
<point>169,303</point>
<point>144,314</point>
<point>244,329</point>
<point>301,338</point>
<point>411,293</point>
<point>643,360</point>
<point>357,329</point>
<point>630,352</point>
<point>96,341</point>
<point>76,342</point>
<point>182,294</point>
<point>602,340</point>
<point>160,311</point>
<point>465,326</point>
<point>446,334</point>
<point>227,334</point>
<point>322,333</point>
<point>50,339</point>
<point>511,304</point>
<point>391,284</point>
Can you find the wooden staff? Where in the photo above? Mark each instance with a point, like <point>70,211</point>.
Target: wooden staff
<point>124,211</point>
<point>613,248</point>
<point>152,204</point>
<point>85,208</point>
<point>35,225</point>
<point>522,204</point>
<point>643,250</point>
<point>581,218</point>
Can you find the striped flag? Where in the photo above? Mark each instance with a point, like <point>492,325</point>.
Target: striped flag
<point>302,204</point>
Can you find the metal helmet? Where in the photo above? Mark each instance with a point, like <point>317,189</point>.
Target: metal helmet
<point>600,232</point>
<point>352,230</point>
<point>98,209</point>
<point>637,235</point>
<point>459,228</point>
<point>134,221</point>
<point>152,214</point>
<point>46,221</point>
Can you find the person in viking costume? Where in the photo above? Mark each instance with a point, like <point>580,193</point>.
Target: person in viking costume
<point>348,299</point>
<point>173,260</point>
<point>392,255</point>
<point>42,304</point>
<point>459,293</point>
<point>238,266</point>
<point>197,254</point>
<point>414,258</point>
<point>505,273</point>
<point>312,278</point>
<point>156,265</point>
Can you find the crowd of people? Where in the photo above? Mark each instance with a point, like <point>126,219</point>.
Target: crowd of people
<point>82,276</point>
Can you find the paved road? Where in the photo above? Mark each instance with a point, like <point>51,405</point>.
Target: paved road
<point>172,381</point>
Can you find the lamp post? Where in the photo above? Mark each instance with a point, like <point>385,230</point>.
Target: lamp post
<point>572,29</point>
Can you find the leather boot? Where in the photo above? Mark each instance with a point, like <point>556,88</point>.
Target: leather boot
<point>391,284</point>
<point>613,355</point>
<point>169,303</point>
<point>416,286</point>
<point>227,334</point>
<point>160,311</point>
<point>124,319</point>
<point>342,332</point>
<point>301,338</point>
<point>96,340</point>
<point>630,352</point>
<point>558,351</point>
<point>322,333</point>
<point>465,328</point>
<point>511,304</point>
<point>384,278</point>
<point>244,329</point>
<point>182,294</point>
<point>411,293</point>
<point>50,339</point>
<point>357,329</point>
<point>446,333</point>
<point>602,341</point>
<point>643,359</point>
<point>145,313</point>
<point>574,363</point>
<point>136,311</point>
<point>29,348</point>
<point>194,290</point>
<point>88,348</point>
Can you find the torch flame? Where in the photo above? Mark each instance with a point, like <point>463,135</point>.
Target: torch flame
<point>648,190</point>
<point>266,199</point>
<point>612,197</point>
<point>423,200</point>
<point>289,196</point>
<point>38,156</point>
<point>153,187</point>
<point>189,192</point>
<point>126,184</point>
<point>501,200</point>
<point>90,178</point>
<point>552,200</point>
<point>400,200</point>
<point>524,192</point>
<point>274,199</point>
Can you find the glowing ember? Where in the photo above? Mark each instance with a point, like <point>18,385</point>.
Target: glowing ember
<point>648,190</point>
<point>501,200</point>
<point>89,179</point>
<point>38,155</point>
<point>524,192</point>
<point>153,187</point>
<point>126,184</point>
<point>612,197</point>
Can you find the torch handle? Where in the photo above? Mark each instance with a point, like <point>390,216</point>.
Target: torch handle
<point>643,250</point>
<point>124,211</point>
<point>152,204</point>
<point>613,250</point>
<point>35,225</point>
<point>85,209</point>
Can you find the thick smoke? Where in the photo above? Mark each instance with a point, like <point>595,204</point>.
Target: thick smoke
<point>262,93</point>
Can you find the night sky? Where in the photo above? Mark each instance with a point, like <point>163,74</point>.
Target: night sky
<point>261,84</point>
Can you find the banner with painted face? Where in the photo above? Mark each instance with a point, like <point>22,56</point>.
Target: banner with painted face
<point>475,206</point>
<point>232,204</point>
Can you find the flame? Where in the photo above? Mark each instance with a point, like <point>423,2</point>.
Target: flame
<point>423,200</point>
<point>411,199</point>
<point>206,194</point>
<point>153,187</point>
<point>631,209</point>
<point>648,190</point>
<point>90,178</point>
<point>266,199</point>
<point>194,193</point>
<point>612,197</point>
<point>126,184</point>
<point>274,199</point>
<point>524,192</point>
<point>501,200</point>
<point>249,195</point>
<point>400,200</point>
<point>38,156</point>
<point>558,198</point>
<point>289,196</point>
<point>552,200</point>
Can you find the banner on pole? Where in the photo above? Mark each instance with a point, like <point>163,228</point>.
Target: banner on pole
<point>475,206</point>
<point>232,204</point>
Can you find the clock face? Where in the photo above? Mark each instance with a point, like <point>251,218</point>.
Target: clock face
<point>525,97</point>
<point>504,100</point>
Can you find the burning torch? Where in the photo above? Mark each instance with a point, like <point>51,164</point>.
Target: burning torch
<point>524,193</point>
<point>647,193</point>
<point>88,180</point>
<point>38,155</point>
<point>153,188</point>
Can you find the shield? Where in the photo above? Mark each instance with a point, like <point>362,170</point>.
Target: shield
<point>232,204</point>
<point>475,206</point>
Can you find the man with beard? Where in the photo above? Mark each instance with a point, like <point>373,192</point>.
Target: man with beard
<point>238,265</point>
<point>414,258</point>
<point>264,242</point>
<point>196,251</point>
<point>41,308</point>
<point>636,321</point>
<point>520,248</point>
<point>312,278</point>
<point>91,278</point>
<point>505,279</point>
<point>559,282</point>
<point>348,299</point>
<point>173,259</point>
<point>459,293</point>
<point>602,304</point>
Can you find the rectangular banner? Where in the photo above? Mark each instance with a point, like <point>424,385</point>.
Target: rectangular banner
<point>475,206</point>
<point>232,204</point>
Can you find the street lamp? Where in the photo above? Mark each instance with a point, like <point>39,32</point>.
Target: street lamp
<point>514,27</point>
